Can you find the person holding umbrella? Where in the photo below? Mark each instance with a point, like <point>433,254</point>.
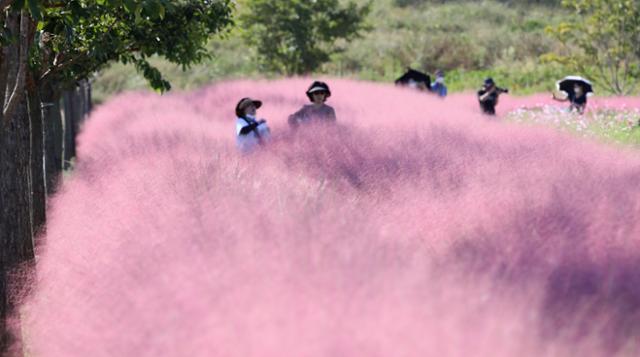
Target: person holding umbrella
<point>577,89</point>
<point>415,79</point>
<point>318,110</point>
<point>250,132</point>
<point>488,96</point>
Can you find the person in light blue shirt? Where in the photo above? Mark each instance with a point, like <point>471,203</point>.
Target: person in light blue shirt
<point>438,87</point>
<point>250,132</point>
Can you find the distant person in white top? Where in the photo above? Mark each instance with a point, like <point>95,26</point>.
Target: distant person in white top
<point>250,132</point>
<point>318,110</point>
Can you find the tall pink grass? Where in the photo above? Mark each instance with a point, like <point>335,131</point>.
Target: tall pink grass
<point>415,227</point>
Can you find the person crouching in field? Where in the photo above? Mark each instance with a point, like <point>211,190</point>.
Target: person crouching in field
<point>250,132</point>
<point>488,96</point>
<point>318,111</point>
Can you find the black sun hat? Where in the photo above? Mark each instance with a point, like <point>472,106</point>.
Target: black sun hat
<point>244,103</point>
<point>316,87</point>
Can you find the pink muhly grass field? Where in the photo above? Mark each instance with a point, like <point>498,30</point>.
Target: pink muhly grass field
<point>414,227</point>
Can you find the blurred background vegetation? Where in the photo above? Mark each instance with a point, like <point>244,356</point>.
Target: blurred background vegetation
<point>469,40</point>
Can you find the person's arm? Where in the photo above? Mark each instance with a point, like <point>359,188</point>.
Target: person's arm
<point>553,96</point>
<point>292,121</point>
<point>332,114</point>
<point>484,97</point>
<point>251,127</point>
<point>263,127</point>
<point>295,117</point>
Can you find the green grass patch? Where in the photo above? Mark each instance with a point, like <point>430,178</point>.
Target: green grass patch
<point>606,125</point>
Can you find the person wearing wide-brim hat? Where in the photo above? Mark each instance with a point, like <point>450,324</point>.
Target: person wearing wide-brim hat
<point>250,132</point>
<point>318,110</point>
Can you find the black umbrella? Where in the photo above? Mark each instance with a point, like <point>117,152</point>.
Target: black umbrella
<point>566,84</point>
<point>414,76</point>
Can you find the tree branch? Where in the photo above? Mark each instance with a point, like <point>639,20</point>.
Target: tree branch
<point>4,71</point>
<point>57,67</point>
<point>54,5</point>
<point>8,66</point>
<point>18,89</point>
<point>4,4</point>
<point>631,83</point>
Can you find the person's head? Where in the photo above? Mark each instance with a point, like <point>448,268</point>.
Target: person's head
<point>318,92</point>
<point>489,83</point>
<point>247,106</point>
<point>578,89</point>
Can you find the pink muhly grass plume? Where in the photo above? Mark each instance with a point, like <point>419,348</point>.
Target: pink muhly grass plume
<point>414,227</point>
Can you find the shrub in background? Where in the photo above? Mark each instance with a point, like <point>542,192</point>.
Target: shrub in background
<point>298,36</point>
<point>467,38</point>
<point>601,42</point>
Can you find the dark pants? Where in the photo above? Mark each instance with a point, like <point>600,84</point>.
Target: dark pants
<point>488,108</point>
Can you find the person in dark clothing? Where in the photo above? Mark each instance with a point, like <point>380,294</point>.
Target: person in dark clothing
<point>318,110</point>
<point>488,96</point>
<point>577,99</point>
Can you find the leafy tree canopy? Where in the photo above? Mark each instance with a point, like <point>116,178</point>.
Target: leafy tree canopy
<point>77,37</point>
<point>603,42</point>
<point>298,36</point>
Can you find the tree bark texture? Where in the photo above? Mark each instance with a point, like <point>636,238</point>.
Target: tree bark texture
<point>53,137</point>
<point>15,208</point>
<point>69,111</point>
<point>38,184</point>
<point>16,230</point>
<point>77,104</point>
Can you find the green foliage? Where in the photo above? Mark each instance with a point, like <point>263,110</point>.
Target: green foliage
<point>521,78</point>
<point>615,126</point>
<point>298,36</point>
<point>469,40</point>
<point>602,41</point>
<point>407,3</point>
<point>229,58</point>
<point>455,36</point>
<point>629,137</point>
<point>79,37</point>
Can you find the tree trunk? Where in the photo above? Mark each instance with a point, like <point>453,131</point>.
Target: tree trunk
<point>16,230</point>
<point>68,112</point>
<point>53,137</point>
<point>77,105</point>
<point>16,219</point>
<point>15,188</point>
<point>88,94</point>
<point>38,184</point>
